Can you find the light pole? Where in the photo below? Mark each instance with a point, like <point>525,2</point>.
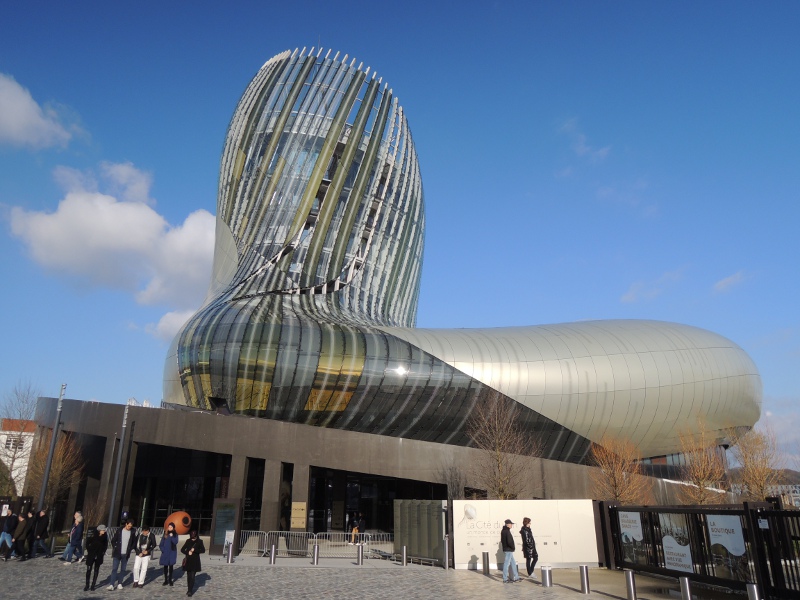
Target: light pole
<point>116,470</point>
<point>52,451</point>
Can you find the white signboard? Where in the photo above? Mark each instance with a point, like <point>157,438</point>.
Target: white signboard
<point>726,530</point>
<point>727,547</point>
<point>677,556</point>
<point>630,524</point>
<point>630,529</point>
<point>675,541</point>
<point>564,531</point>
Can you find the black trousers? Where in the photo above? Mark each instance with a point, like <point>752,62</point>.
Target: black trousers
<point>530,563</point>
<point>17,546</point>
<point>93,563</point>
<point>190,579</point>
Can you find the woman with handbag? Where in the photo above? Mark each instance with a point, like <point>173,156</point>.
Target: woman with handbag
<point>192,549</point>
<point>169,552</point>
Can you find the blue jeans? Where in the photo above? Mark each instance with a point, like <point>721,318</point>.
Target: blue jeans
<point>118,564</point>
<point>40,545</point>
<point>510,562</point>
<point>71,549</point>
<point>5,538</point>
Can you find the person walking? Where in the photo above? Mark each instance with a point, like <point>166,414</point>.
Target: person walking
<point>8,527</point>
<point>39,534</point>
<point>121,547</point>
<point>528,547</point>
<point>192,548</point>
<point>354,531</point>
<point>75,541</point>
<point>95,552</point>
<point>362,528</point>
<point>169,552</point>
<point>507,542</point>
<point>18,538</point>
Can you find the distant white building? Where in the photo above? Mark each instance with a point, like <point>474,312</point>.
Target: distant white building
<point>16,440</point>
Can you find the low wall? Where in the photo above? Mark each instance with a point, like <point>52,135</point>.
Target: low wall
<point>564,531</point>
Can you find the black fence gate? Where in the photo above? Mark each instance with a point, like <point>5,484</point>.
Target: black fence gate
<point>724,545</point>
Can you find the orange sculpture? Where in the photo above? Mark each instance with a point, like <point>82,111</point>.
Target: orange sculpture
<point>181,520</point>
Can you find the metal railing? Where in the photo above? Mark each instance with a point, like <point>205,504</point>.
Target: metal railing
<point>253,543</point>
<point>332,544</point>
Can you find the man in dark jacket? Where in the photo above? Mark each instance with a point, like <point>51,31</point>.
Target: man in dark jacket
<point>39,534</point>
<point>507,542</point>
<point>18,538</point>
<point>122,545</point>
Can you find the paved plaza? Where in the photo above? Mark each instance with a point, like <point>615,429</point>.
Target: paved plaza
<point>341,579</point>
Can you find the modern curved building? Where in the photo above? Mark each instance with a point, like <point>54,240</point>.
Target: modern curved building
<point>310,315</point>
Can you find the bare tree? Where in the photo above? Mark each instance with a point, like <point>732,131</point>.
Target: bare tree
<point>761,463</point>
<point>17,411</point>
<point>703,468</point>
<point>454,478</point>
<point>505,446</point>
<point>66,469</point>
<point>618,476</point>
<point>95,509</point>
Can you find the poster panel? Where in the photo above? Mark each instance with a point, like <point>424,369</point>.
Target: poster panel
<point>675,542</point>
<point>728,552</point>
<point>632,537</point>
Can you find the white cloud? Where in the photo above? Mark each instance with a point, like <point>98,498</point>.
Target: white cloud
<point>780,414</point>
<point>169,324</point>
<point>105,233</point>
<point>724,285</point>
<point>580,144</point>
<point>24,123</point>
<point>648,290</point>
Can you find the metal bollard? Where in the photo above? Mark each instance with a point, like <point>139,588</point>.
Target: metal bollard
<point>446,552</point>
<point>52,546</point>
<point>584,579</point>
<point>230,554</point>
<point>273,554</point>
<point>630,584</point>
<point>485,563</point>
<point>547,577</point>
<point>686,588</point>
<point>752,591</point>
<point>405,557</point>
<point>315,555</point>
<point>360,556</point>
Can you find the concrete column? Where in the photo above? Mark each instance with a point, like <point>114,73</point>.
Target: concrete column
<point>128,467</point>
<point>300,481</point>
<point>270,496</point>
<point>237,481</point>
<point>71,507</point>
<point>107,476</point>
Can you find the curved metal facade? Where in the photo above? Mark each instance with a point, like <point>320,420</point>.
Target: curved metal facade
<point>309,317</point>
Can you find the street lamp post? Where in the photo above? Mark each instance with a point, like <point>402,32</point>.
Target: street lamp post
<point>52,451</point>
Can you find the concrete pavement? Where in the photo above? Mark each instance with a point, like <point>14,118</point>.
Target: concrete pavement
<point>342,579</point>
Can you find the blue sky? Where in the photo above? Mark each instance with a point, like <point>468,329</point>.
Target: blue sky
<point>581,160</point>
